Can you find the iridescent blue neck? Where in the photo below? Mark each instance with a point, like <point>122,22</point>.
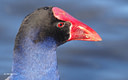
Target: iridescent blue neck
<point>35,61</point>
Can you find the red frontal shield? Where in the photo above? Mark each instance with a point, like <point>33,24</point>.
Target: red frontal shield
<point>78,30</point>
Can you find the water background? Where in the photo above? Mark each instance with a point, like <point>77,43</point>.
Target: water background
<point>78,60</point>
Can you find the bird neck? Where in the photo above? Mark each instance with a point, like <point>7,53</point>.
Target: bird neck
<point>35,61</point>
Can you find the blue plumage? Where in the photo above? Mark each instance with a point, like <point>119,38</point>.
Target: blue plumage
<point>36,61</point>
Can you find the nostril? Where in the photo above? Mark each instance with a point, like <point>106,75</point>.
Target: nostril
<point>87,36</point>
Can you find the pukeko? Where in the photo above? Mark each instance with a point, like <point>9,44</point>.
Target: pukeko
<point>41,32</point>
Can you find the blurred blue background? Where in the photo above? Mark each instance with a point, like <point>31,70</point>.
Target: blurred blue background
<point>78,60</point>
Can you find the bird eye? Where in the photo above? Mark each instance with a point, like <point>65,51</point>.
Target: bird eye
<point>46,8</point>
<point>60,24</point>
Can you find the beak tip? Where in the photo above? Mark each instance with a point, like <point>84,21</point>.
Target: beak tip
<point>96,38</point>
<point>99,39</point>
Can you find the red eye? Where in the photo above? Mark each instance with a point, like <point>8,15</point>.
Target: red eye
<point>60,24</point>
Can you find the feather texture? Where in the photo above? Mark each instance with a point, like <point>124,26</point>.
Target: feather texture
<point>35,61</point>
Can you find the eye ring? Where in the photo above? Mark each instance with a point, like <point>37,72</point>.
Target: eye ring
<point>60,24</point>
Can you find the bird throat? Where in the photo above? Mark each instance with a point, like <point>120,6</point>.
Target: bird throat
<point>35,61</point>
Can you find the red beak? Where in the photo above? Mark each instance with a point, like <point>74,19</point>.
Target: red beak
<point>78,30</point>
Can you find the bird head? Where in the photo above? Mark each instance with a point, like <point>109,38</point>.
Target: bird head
<point>58,24</point>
